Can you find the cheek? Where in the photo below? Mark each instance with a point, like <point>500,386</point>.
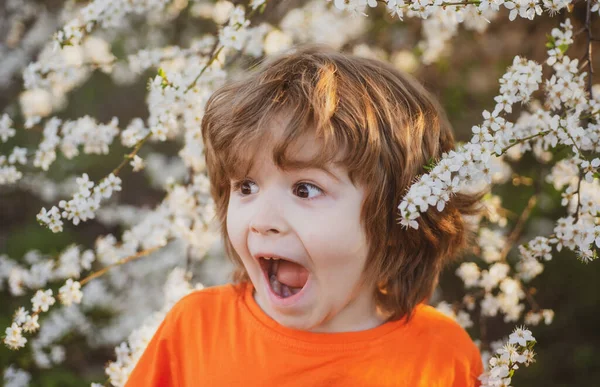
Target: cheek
<point>334,239</point>
<point>235,229</point>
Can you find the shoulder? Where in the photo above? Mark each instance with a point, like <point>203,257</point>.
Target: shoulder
<point>449,343</point>
<point>436,324</point>
<point>189,330</point>
<point>204,305</point>
<point>445,336</point>
<point>200,313</point>
<point>214,296</point>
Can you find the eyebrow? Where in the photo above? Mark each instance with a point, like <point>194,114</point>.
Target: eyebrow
<point>324,169</point>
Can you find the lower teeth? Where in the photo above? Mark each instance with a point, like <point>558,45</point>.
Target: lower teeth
<point>280,289</point>
<point>275,285</point>
<point>285,291</point>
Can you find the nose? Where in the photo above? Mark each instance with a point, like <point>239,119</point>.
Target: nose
<point>269,217</point>
<point>261,229</point>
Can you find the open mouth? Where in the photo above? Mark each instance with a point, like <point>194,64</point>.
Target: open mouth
<point>285,278</point>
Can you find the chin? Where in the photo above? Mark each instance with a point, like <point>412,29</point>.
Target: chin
<point>295,323</point>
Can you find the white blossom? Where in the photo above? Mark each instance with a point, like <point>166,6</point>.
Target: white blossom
<point>469,272</point>
<point>42,300</point>
<point>137,163</point>
<point>14,337</point>
<point>520,336</point>
<point>31,324</point>
<point>18,155</point>
<point>14,377</point>
<point>6,130</point>
<point>70,292</point>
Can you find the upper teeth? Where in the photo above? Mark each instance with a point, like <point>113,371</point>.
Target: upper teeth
<point>271,258</point>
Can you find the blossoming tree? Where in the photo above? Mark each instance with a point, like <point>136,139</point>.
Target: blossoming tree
<point>545,111</point>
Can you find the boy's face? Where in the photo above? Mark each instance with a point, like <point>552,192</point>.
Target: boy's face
<point>314,220</point>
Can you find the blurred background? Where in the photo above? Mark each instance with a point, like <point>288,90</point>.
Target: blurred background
<point>463,75</point>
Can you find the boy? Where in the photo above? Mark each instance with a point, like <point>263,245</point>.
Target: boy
<point>308,159</point>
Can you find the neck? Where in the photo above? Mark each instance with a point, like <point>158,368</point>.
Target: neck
<point>359,314</point>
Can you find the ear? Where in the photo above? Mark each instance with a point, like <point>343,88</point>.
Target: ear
<point>382,286</point>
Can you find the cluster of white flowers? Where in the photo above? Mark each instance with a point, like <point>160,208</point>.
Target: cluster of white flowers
<point>83,205</point>
<point>175,218</point>
<point>104,13</point>
<point>21,45</point>
<point>441,25</point>
<point>234,34</point>
<point>442,18</point>
<point>500,275</point>
<point>24,322</point>
<point>518,350</point>
<point>534,318</point>
<point>168,57</point>
<point>496,135</point>
<point>457,170</point>
<point>67,68</point>
<point>9,173</point>
<point>6,129</point>
<point>56,72</point>
<point>56,324</point>
<point>425,8</point>
<point>43,269</point>
<point>95,139</point>
<point>184,215</point>
<point>315,22</point>
<point>84,132</point>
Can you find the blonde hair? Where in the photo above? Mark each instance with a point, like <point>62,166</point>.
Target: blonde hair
<point>382,125</point>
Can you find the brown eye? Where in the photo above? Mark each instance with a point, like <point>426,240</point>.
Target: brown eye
<point>303,190</point>
<point>245,188</point>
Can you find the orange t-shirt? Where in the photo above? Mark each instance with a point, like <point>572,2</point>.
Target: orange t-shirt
<point>219,336</point>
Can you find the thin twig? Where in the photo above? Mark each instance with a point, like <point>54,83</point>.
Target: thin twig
<point>578,192</point>
<point>130,156</point>
<point>518,229</point>
<point>119,262</point>
<point>529,295</point>
<point>521,140</point>
<point>588,28</point>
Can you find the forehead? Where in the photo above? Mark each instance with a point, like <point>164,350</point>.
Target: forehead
<point>289,149</point>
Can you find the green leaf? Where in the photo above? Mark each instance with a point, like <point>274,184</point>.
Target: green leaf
<point>551,42</point>
<point>430,164</point>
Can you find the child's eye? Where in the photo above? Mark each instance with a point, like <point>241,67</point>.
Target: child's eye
<point>302,189</point>
<point>306,191</point>
<point>242,186</point>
